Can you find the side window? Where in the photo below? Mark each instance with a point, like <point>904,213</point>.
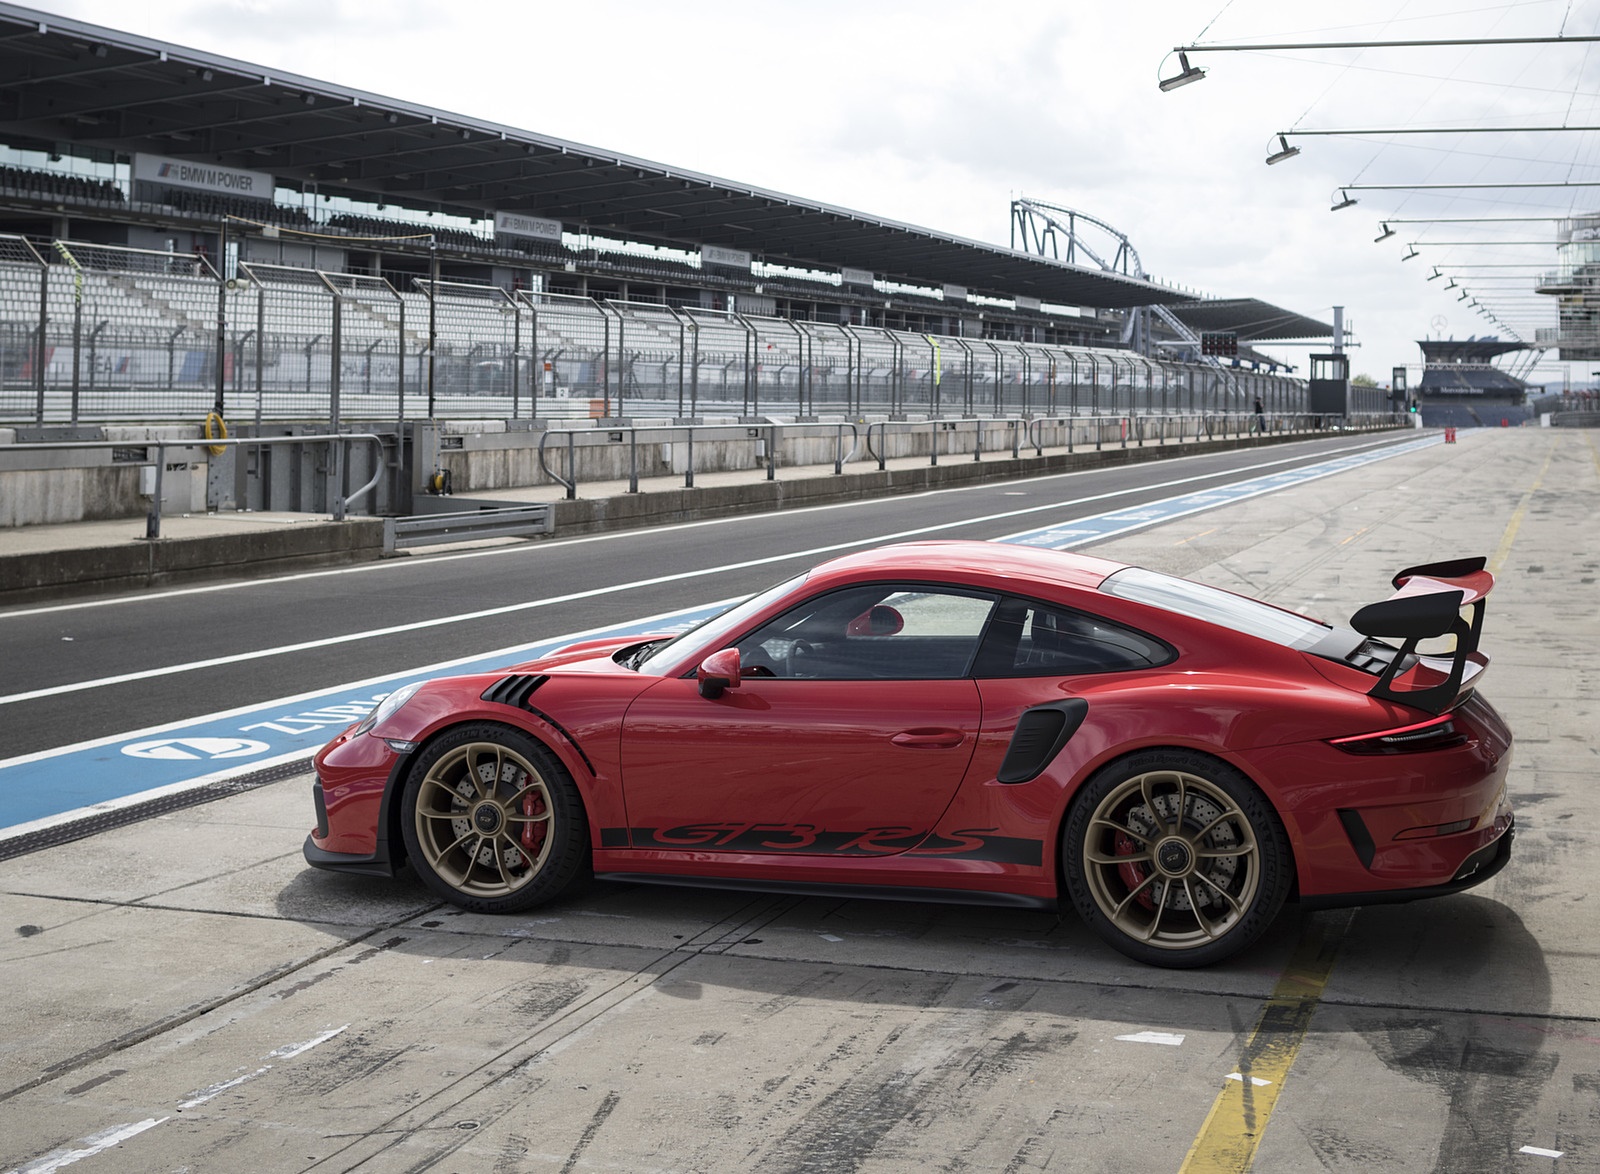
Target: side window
<point>889,631</point>
<point>1029,639</point>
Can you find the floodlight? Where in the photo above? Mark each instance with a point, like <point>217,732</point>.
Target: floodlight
<point>1345,201</point>
<point>1435,273</point>
<point>1412,253</point>
<point>1191,73</point>
<point>1463,296</point>
<point>1384,235</point>
<point>1284,151</point>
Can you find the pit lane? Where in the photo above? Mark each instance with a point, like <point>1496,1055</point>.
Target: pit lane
<point>186,993</point>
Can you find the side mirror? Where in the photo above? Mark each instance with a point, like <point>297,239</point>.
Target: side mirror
<point>878,620</point>
<point>717,672</point>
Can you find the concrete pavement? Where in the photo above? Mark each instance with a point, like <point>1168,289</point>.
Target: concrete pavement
<point>186,994</point>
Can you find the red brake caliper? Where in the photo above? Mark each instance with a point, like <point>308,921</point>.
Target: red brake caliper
<point>1132,875</point>
<point>532,832</point>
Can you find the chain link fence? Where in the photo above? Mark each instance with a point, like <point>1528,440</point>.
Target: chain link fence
<point>95,333</point>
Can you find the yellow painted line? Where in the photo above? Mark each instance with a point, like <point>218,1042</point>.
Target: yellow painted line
<point>1233,1129</point>
<point>1515,524</point>
<point>1192,537</point>
<point>1353,537</point>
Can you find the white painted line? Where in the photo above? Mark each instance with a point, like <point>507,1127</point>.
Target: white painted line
<point>201,1096</point>
<point>92,1145</point>
<point>502,551</point>
<point>289,1051</point>
<point>1255,1080</point>
<point>828,937</point>
<point>1170,1039</point>
<point>1540,1153</point>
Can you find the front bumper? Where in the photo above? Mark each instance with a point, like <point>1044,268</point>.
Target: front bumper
<point>376,864</point>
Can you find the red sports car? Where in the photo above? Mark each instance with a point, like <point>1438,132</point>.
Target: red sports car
<point>962,721</point>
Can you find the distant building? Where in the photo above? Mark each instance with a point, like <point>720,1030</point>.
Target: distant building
<point>1462,387</point>
<point>1576,282</point>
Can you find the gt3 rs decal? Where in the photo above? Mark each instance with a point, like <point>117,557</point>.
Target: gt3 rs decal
<point>809,840</point>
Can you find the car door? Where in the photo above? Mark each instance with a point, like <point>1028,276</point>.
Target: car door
<point>849,733</point>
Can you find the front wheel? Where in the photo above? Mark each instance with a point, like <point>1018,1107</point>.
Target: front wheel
<point>1175,859</point>
<point>492,821</point>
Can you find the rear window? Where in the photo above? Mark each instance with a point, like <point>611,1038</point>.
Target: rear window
<point>1215,606</point>
<point>1028,639</point>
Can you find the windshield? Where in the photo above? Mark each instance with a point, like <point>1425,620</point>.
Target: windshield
<point>713,634</point>
<point>1215,606</point>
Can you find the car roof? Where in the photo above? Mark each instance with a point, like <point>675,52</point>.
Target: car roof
<point>989,562</point>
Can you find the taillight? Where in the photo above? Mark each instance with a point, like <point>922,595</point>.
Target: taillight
<point>1435,734</point>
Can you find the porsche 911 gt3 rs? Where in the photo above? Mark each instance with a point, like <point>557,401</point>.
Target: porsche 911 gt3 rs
<point>962,721</point>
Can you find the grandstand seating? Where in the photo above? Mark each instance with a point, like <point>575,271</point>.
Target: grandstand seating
<point>1442,380</point>
<point>56,186</point>
<point>374,226</point>
<point>1483,414</point>
<point>215,206</point>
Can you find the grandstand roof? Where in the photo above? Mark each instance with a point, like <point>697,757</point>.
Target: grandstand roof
<point>72,83</point>
<point>1468,350</point>
<point>1251,320</point>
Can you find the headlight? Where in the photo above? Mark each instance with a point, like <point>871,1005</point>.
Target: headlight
<point>388,707</point>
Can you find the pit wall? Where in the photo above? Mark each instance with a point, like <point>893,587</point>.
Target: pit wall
<point>484,456</point>
<point>97,484</point>
<point>63,486</point>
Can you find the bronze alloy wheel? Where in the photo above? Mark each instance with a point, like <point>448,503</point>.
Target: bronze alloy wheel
<point>492,821</point>
<point>1176,859</point>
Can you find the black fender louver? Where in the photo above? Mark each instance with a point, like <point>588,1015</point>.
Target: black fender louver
<point>514,690</point>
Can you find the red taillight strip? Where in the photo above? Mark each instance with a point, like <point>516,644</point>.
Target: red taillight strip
<point>1435,723</point>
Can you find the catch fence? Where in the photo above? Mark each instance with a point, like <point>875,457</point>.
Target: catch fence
<point>95,333</point>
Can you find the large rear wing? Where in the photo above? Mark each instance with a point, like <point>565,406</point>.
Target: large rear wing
<point>1427,603</point>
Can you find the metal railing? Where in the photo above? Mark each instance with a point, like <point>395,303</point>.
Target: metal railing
<point>767,434</point>
<point>963,437</point>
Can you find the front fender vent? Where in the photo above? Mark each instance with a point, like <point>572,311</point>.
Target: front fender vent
<point>514,690</point>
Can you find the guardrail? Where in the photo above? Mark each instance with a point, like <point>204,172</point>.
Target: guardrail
<point>630,435</point>
<point>1122,431</point>
<point>497,522</point>
<point>339,444</point>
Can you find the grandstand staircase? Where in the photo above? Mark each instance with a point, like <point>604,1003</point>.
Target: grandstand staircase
<point>381,319</point>
<point>171,317</point>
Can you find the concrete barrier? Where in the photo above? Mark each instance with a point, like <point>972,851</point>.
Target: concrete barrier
<point>141,563</point>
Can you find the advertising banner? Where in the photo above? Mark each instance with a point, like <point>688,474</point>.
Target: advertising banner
<point>203,177</point>
<point>518,224</point>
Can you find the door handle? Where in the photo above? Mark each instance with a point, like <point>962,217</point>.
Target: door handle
<point>929,739</point>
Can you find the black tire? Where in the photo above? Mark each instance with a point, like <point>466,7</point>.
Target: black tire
<point>1164,888</point>
<point>493,822</point>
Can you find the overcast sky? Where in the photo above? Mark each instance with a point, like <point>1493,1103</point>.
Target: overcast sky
<point>938,113</point>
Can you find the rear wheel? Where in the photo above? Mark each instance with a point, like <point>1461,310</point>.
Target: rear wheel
<point>492,821</point>
<point>1175,859</point>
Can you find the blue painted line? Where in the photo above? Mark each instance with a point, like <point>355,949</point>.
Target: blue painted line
<point>1082,531</point>
<point>72,782</point>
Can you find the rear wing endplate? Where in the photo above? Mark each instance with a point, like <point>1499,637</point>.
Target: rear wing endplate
<point>1427,603</point>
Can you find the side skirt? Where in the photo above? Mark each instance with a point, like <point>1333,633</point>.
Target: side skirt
<point>804,889</point>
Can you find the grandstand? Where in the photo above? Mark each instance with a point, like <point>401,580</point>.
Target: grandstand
<point>1462,388</point>
<point>416,251</point>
